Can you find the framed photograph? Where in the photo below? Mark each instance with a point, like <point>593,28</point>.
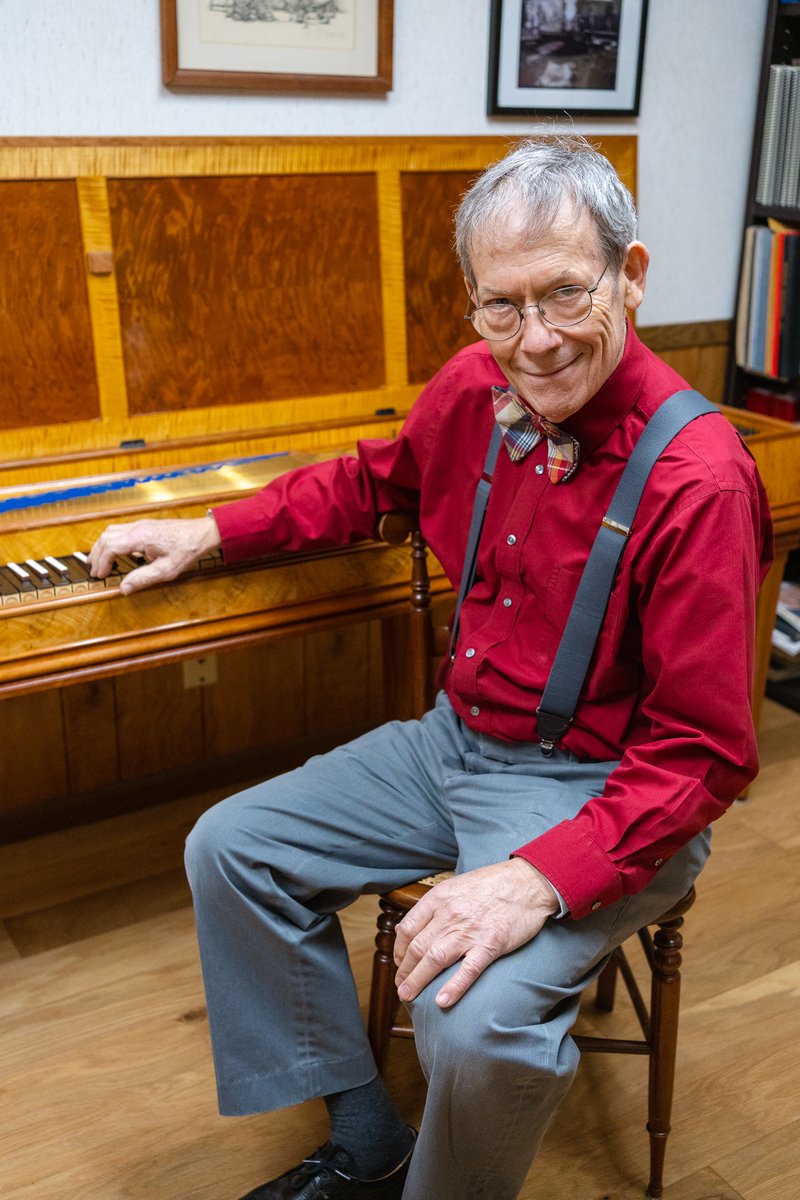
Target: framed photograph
<point>277,45</point>
<point>579,58</point>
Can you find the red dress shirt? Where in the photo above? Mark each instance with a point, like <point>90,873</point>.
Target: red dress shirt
<point>669,687</point>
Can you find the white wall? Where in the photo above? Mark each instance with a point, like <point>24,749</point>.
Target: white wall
<point>92,68</point>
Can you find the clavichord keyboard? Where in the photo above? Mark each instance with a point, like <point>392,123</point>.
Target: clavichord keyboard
<point>59,625</point>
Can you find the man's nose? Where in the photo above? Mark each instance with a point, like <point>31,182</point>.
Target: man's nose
<point>537,335</point>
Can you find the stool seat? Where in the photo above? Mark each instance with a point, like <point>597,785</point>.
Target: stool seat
<point>658,1021</point>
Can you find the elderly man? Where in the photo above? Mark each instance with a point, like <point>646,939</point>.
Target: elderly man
<point>560,851</point>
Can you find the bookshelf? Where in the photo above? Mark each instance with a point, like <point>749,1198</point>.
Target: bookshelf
<point>764,360</point>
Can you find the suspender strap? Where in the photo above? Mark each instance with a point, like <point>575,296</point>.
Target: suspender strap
<point>475,530</point>
<point>571,663</point>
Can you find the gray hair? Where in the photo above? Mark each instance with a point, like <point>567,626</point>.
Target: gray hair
<point>535,179</point>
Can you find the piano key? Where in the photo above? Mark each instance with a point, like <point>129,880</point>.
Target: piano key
<point>19,578</point>
<point>40,577</point>
<point>45,586</point>
<point>56,565</point>
<point>20,574</point>
<point>80,562</point>
<point>75,579</point>
<point>9,592</point>
<point>210,562</point>
<point>38,569</point>
<point>128,562</point>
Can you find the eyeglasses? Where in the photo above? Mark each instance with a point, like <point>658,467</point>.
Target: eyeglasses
<point>564,306</point>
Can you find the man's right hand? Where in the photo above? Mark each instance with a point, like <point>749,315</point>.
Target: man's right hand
<point>167,546</point>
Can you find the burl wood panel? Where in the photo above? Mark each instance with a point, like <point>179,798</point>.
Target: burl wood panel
<point>237,290</point>
<point>47,374</point>
<point>436,299</point>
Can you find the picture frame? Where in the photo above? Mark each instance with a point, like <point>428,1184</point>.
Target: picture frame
<point>277,45</point>
<point>577,58</point>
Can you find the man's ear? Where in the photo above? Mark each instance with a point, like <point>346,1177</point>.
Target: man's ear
<point>470,286</point>
<point>635,271</point>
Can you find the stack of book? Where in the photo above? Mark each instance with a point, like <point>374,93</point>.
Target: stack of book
<point>768,314</point>
<point>778,181</point>
<point>786,634</point>
<point>783,677</point>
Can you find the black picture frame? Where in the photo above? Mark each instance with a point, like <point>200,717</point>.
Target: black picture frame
<point>573,58</point>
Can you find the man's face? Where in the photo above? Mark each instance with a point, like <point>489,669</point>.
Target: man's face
<point>557,370</point>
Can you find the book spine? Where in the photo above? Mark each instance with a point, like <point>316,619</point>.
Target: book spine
<point>789,339</point>
<point>774,305</point>
<point>766,169</point>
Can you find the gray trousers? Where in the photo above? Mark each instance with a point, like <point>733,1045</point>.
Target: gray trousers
<point>269,870</point>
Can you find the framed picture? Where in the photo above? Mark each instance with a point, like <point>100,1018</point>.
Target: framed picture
<point>573,57</point>
<point>277,45</point>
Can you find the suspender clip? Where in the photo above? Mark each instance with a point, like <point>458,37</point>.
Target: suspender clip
<point>551,728</point>
<point>616,526</point>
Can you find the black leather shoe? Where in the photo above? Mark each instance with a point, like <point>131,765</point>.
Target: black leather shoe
<point>328,1175</point>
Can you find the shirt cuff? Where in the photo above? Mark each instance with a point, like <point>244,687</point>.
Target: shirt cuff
<point>576,868</point>
<point>563,908</point>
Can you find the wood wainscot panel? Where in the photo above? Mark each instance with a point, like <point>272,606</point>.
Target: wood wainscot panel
<point>47,370</point>
<point>236,291</point>
<point>159,721</point>
<point>698,351</point>
<point>436,298</point>
<point>32,753</point>
<point>90,735</point>
<point>257,699</point>
<point>337,691</point>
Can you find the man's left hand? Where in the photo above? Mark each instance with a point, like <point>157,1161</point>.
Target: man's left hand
<point>476,917</point>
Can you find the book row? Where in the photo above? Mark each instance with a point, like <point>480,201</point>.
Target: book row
<point>778,180</point>
<point>768,313</point>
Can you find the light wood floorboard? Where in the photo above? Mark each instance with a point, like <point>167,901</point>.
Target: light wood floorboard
<point>107,1091</point>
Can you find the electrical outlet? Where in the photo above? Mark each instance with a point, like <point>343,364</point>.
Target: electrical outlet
<point>200,672</point>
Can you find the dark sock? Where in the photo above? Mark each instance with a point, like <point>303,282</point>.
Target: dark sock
<point>365,1122</point>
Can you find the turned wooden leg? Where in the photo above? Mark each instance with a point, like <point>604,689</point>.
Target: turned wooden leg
<point>383,1001</point>
<point>665,1000</point>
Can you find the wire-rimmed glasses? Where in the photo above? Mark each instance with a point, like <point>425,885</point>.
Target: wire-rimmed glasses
<point>562,307</point>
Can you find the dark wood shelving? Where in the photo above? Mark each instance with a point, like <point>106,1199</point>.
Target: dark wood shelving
<point>790,215</point>
<point>781,46</point>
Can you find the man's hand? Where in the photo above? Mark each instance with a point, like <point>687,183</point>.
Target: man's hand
<point>476,917</point>
<point>168,547</point>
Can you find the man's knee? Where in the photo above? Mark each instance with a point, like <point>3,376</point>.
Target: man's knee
<point>212,847</point>
<point>485,1036</point>
<point>205,845</point>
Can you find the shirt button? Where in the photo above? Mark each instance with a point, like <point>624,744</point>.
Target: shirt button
<point>507,602</point>
<point>595,906</point>
<point>539,469</point>
<point>511,539</point>
<point>470,653</point>
<point>476,712</point>
<point>658,862</point>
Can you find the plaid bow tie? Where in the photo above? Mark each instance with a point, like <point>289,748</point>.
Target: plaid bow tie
<point>523,429</point>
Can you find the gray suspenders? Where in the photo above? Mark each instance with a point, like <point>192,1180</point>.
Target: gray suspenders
<point>475,530</point>
<point>563,687</point>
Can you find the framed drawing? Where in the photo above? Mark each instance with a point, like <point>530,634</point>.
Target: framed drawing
<point>573,57</point>
<point>277,45</point>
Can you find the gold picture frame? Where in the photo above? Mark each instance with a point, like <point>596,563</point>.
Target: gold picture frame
<point>277,45</point>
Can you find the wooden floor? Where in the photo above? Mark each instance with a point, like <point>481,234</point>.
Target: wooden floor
<point>107,1093</point>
